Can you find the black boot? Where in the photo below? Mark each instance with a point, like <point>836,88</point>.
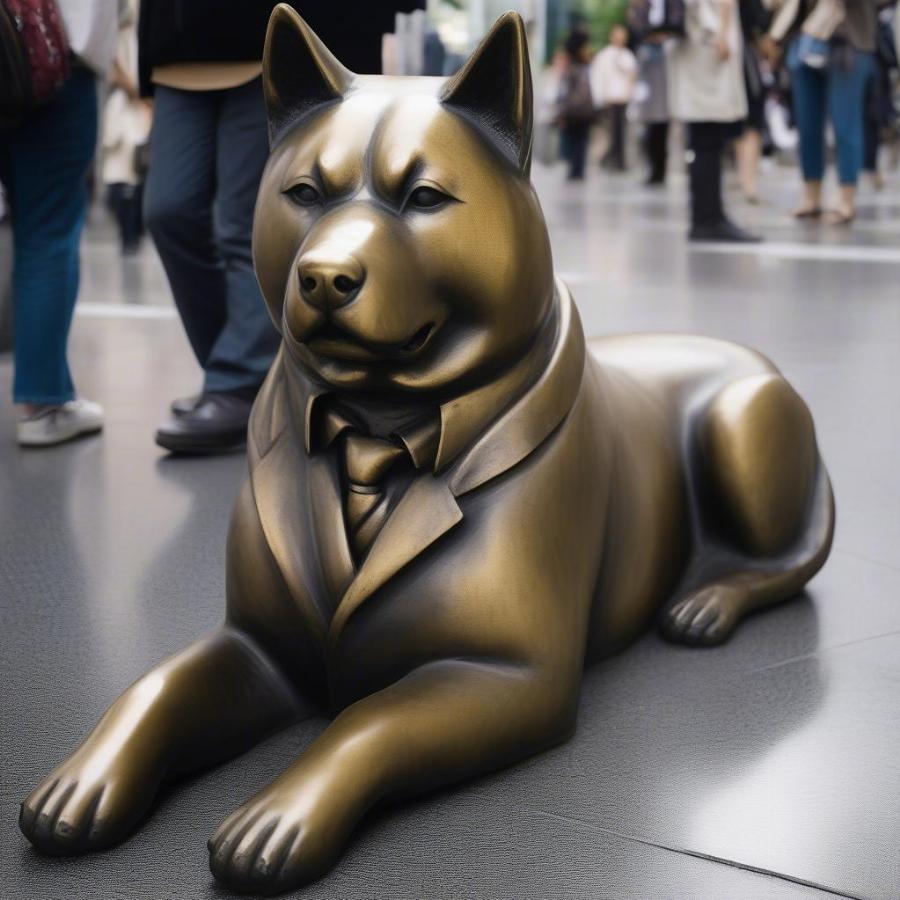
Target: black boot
<point>656,138</point>
<point>216,424</point>
<point>708,219</point>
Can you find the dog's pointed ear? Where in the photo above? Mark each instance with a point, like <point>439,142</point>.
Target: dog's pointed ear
<point>299,71</point>
<point>494,89</point>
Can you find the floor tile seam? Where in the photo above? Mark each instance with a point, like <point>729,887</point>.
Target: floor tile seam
<point>822,651</point>
<point>696,854</point>
<point>875,562</point>
<point>793,250</point>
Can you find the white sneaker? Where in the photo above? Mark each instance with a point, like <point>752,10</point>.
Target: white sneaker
<point>55,424</point>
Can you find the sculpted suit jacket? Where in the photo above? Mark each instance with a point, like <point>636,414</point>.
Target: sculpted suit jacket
<point>505,494</point>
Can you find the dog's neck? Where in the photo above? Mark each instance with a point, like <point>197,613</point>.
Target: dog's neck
<point>385,414</point>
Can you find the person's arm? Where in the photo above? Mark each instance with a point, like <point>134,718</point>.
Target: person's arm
<point>629,66</point>
<point>118,77</point>
<point>726,12</point>
<point>786,13</point>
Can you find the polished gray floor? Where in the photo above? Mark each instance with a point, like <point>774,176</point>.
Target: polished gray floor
<point>769,767</point>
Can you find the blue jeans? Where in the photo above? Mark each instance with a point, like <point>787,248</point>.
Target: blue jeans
<point>208,150</point>
<point>44,165</point>
<point>839,90</point>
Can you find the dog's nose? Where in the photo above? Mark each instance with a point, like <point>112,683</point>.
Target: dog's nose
<point>327,284</point>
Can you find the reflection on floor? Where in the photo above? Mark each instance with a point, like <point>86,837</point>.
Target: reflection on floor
<point>766,768</point>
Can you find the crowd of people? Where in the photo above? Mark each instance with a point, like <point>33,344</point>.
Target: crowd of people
<point>195,190</point>
<point>727,70</point>
<point>721,67</point>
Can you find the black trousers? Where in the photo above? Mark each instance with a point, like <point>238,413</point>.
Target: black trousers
<point>656,145</point>
<point>209,149</point>
<point>575,136</point>
<point>707,141</point>
<point>126,200</point>
<point>615,117</point>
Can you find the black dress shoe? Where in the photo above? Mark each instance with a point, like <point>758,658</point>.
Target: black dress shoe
<point>216,424</point>
<point>723,232</point>
<point>184,405</point>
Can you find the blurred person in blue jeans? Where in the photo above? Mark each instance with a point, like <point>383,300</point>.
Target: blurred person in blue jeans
<point>831,59</point>
<point>44,164</point>
<point>201,60</point>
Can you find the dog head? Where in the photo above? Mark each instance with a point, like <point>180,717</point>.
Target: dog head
<point>397,239</point>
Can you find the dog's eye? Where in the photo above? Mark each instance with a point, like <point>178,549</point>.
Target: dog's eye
<point>426,198</point>
<point>304,194</point>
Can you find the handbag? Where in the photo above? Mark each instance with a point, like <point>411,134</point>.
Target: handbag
<point>649,17</point>
<point>35,57</point>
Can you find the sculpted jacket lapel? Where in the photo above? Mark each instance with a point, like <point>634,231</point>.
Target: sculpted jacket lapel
<point>426,511</point>
<point>282,476</point>
<point>429,508</point>
<point>328,527</point>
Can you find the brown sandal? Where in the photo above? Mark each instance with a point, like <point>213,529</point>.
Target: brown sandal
<point>839,217</point>
<point>813,212</point>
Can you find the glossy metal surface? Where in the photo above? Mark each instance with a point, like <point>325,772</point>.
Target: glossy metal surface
<point>575,493</point>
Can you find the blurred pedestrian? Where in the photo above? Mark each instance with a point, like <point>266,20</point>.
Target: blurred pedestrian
<point>706,91</point>
<point>202,62</point>
<point>44,165</point>
<point>748,147</point>
<point>653,106</point>
<point>613,73</point>
<point>880,114</point>
<point>126,133</point>
<point>575,104</point>
<point>830,57</point>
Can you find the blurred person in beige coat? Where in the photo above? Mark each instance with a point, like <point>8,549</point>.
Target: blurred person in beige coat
<point>126,132</point>
<point>707,93</point>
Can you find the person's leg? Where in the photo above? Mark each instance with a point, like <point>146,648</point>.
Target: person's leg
<point>130,217</point>
<point>871,126</point>
<point>656,142</point>
<point>846,93</point>
<point>47,163</point>
<point>244,350</point>
<point>565,149</point>
<point>809,91</point>
<point>178,210</point>
<point>114,202</point>
<point>708,219</point>
<point>705,174</point>
<point>122,199</point>
<point>579,136</point>
<point>618,135</point>
<point>748,148</point>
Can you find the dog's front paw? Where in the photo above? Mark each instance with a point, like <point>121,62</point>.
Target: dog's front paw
<point>707,616</point>
<point>92,800</point>
<point>287,836</point>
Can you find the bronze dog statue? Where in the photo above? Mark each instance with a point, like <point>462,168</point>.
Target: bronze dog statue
<point>453,502</point>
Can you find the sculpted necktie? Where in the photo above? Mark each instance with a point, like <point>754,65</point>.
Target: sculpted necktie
<point>367,461</point>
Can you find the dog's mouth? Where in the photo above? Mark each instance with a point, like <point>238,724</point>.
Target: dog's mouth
<point>332,341</point>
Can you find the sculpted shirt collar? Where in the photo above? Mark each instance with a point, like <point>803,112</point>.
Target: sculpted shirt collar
<point>432,443</point>
<point>482,433</point>
<point>325,422</point>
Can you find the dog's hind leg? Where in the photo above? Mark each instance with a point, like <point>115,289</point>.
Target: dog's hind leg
<point>205,704</point>
<point>765,488</point>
